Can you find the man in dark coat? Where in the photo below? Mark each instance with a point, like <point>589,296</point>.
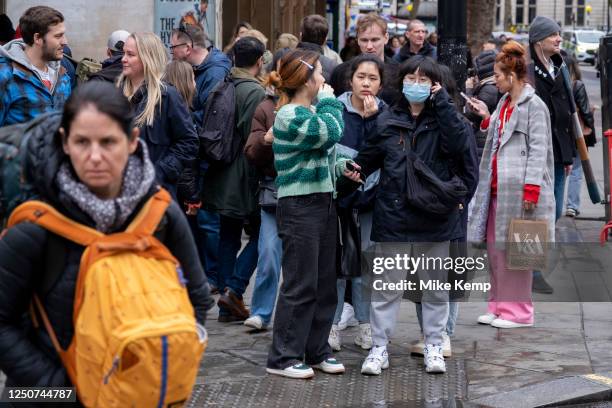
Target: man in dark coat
<point>416,33</point>
<point>112,67</point>
<point>231,190</point>
<point>545,71</point>
<point>313,34</point>
<point>372,36</point>
<point>544,46</point>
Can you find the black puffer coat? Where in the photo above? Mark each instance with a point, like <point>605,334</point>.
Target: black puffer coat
<point>440,138</point>
<point>33,260</point>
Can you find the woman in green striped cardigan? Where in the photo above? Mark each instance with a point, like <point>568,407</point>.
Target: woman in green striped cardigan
<point>305,160</point>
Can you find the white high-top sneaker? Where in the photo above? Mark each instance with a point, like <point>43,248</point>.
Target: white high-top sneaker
<point>364,338</point>
<point>334,339</point>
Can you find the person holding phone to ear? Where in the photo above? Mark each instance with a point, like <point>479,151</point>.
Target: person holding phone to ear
<point>516,180</point>
<point>422,126</point>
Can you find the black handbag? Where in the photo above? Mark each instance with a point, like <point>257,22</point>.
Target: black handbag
<point>348,248</point>
<point>268,194</point>
<point>427,192</point>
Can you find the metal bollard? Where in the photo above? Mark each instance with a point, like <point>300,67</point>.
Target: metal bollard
<point>605,232</point>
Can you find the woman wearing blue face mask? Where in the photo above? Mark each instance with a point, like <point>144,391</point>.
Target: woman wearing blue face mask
<point>423,130</point>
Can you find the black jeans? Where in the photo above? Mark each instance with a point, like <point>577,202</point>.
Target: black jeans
<point>307,226</point>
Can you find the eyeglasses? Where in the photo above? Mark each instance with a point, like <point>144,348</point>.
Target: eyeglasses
<point>183,29</point>
<point>172,47</point>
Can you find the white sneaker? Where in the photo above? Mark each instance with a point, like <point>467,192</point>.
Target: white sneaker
<point>508,324</point>
<point>330,366</point>
<point>364,338</point>
<point>487,318</point>
<point>376,361</point>
<point>334,339</point>
<point>255,322</point>
<point>434,360</point>
<point>298,370</point>
<point>347,318</point>
<point>419,347</point>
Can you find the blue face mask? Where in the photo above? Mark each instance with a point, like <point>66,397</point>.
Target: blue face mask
<point>416,93</point>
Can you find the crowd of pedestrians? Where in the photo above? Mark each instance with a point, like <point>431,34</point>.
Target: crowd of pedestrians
<point>316,143</point>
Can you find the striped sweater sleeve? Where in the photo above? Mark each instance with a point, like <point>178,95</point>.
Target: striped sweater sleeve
<point>299,129</point>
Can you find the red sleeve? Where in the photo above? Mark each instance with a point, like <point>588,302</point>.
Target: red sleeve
<point>484,125</point>
<point>531,193</point>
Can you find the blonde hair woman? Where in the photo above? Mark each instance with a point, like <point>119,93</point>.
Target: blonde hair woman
<point>161,113</point>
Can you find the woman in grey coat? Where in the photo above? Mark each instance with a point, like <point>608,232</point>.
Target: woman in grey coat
<point>516,180</point>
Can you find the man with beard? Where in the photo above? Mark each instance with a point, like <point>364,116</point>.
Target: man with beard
<point>32,79</point>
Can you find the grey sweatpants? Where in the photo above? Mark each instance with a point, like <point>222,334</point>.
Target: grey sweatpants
<point>385,305</point>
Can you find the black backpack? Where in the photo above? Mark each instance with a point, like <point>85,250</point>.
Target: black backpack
<point>218,142</point>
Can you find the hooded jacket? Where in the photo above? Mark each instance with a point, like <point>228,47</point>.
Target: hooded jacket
<point>111,69</point>
<point>404,53</point>
<point>357,130</point>
<point>23,96</point>
<point>50,266</point>
<point>440,138</point>
<point>213,69</point>
<point>552,91</point>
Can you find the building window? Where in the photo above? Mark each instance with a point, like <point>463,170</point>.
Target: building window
<point>532,11</point>
<point>498,13</point>
<point>569,12</point>
<point>580,13</point>
<point>520,11</point>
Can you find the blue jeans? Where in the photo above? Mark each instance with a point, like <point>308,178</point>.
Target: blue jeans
<point>453,312</point>
<point>574,184</point>
<point>270,250</point>
<point>235,271</point>
<point>361,306</point>
<point>559,189</point>
<point>205,227</point>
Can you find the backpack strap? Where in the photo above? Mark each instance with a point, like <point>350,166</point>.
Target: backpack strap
<point>151,214</point>
<point>48,217</point>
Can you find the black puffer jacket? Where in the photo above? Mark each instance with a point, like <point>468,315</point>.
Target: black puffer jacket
<point>33,260</point>
<point>440,138</point>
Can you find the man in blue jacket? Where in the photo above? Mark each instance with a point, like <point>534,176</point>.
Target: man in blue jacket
<point>210,66</point>
<point>32,79</point>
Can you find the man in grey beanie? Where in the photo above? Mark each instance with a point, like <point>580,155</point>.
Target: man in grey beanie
<point>545,72</point>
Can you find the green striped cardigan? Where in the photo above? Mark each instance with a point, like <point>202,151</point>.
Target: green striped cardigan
<point>304,147</point>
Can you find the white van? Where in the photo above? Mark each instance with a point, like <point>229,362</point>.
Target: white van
<point>582,44</point>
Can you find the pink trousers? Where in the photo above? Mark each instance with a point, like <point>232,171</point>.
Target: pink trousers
<point>510,295</point>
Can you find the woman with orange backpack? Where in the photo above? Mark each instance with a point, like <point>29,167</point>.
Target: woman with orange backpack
<point>106,258</point>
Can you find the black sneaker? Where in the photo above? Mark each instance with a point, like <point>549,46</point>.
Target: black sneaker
<point>539,285</point>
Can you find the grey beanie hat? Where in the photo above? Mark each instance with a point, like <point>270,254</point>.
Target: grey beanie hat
<point>542,27</point>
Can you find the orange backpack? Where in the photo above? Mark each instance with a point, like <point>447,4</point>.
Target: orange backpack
<point>136,342</point>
